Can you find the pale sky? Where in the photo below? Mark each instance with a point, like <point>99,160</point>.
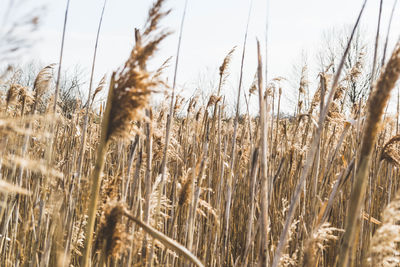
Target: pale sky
<point>211,29</point>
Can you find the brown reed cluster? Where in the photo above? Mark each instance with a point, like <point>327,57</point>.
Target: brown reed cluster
<point>133,83</point>
<point>112,239</point>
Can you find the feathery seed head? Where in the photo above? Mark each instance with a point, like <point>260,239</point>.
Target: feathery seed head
<point>111,233</point>
<point>225,63</point>
<point>134,84</point>
<point>43,80</point>
<point>390,151</point>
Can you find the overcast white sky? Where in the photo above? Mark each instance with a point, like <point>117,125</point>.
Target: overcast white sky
<point>212,28</point>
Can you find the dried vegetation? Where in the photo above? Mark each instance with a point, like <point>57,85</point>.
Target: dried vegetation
<point>200,187</point>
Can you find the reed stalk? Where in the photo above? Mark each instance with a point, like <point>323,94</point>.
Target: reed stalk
<point>376,106</point>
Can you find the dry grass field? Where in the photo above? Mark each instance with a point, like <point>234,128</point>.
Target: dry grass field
<point>187,183</point>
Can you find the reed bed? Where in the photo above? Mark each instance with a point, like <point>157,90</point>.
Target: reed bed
<point>186,184</point>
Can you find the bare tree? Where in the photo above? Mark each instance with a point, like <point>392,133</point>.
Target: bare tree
<point>356,77</point>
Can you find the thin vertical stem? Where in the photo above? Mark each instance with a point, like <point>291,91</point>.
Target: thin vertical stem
<point>264,191</point>
<point>61,57</point>
<point>387,34</point>
<point>88,106</point>
<point>170,118</point>
<point>171,108</point>
<point>96,178</point>
<point>376,43</point>
<point>232,155</point>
